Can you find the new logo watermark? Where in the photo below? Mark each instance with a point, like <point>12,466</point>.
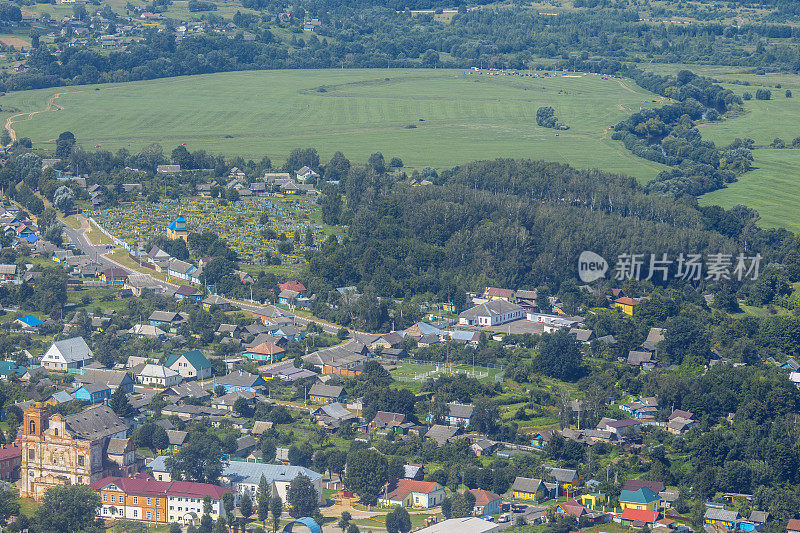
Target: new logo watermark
<point>591,267</point>
<point>687,267</point>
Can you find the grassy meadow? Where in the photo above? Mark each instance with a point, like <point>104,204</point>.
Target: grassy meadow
<point>773,187</point>
<point>435,118</point>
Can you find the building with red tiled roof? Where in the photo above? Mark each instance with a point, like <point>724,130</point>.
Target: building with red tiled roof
<point>793,526</point>
<point>571,508</point>
<point>495,293</point>
<point>486,503</point>
<point>143,498</point>
<point>636,517</point>
<point>413,493</point>
<point>292,285</point>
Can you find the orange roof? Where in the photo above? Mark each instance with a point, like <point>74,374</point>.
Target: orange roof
<point>793,525</point>
<point>483,497</point>
<point>400,488</point>
<point>626,301</point>
<point>639,514</point>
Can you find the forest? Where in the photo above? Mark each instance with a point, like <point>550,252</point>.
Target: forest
<point>504,37</point>
<point>504,223</point>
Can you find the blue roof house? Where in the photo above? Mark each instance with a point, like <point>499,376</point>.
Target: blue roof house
<point>93,392</point>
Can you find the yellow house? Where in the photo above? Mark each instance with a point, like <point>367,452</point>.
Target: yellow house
<point>627,305</point>
<point>525,488</point>
<point>493,293</point>
<point>593,500</point>
<point>642,499</point>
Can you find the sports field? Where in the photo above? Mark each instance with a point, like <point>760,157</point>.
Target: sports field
<point>435,118</point>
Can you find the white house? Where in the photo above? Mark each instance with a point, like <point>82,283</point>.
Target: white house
<point>158,375</point>
<point>413,493</point>
<point>190,365</point>
<point>67,354</point>
<point>244,477</point>
<point>491,313</point>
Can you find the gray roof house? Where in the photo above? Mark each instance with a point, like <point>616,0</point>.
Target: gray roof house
<point>67,354</point>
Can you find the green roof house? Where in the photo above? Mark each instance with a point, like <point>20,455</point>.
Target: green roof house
<point>190,365</point>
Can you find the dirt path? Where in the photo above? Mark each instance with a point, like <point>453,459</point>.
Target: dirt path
<point>50,106</point>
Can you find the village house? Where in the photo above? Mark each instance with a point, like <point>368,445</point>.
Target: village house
<point>67,355</point>
<point>642,499</point>
<point>185,292</point>
<point>266,351</point>
<point>486,503</point>
<point>190,365</point>
<point>721,517</point>
<point>626,305</point>
<point>441,435</point>
<point>412,493</point>
<point>495,293</point>
<point>680,422</point>
<point>532,489</point>
<point>386,421</point>
<point>167,320</point>
<point>158,375</point>
<point>114,379</point>
<point>331,416</point>
<point>240,380</point>
<point>459,414</point>
<point>92,392</point>
<point>114,276</point>
<point>631,517</point>
<point>491,313</point>
<point>343,360</point>
<point>320,393</point>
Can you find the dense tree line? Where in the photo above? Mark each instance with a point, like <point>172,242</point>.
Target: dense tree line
<point>386,34</point>
<point>504,222</point>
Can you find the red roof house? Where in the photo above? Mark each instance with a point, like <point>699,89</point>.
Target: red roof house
<point>571,508</point>
<point>630,515</point>
<point>292,285</point>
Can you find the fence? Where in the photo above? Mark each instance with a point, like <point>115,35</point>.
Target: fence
<point>104,231</point>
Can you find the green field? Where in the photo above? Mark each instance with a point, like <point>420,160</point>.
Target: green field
<point>773,188</point>
<point>456,116</point>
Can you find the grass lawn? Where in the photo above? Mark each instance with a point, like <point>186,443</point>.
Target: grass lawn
<point>96,236</point>
<point>773,188</point>
<point>456,116</point>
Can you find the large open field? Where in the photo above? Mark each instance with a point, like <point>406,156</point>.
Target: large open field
<point>773,187</point>
<point>433,118</point>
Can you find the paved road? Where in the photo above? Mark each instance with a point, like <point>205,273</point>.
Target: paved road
<point>79,239</point>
